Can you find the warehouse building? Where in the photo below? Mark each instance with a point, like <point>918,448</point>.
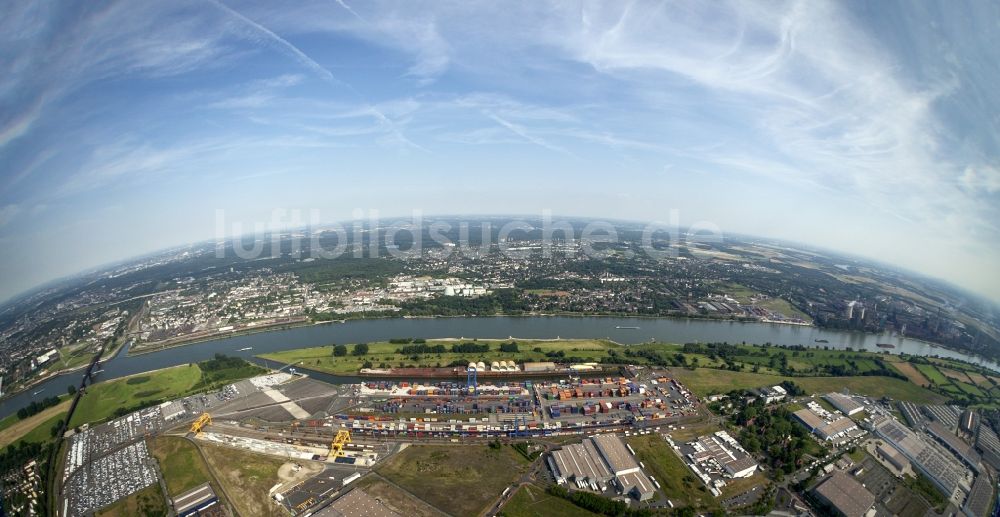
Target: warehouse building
<point>845,496</point>
<point>845,404</point>
<point>599,460</point>
<point>581,463</point>
<point>833,429</point>
<point>722,452</point>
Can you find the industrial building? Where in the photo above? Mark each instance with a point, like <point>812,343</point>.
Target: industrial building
<point>845,495</point>
<point>721,453</point>
<point>890,455</point>
<point>845,404</point>
<point>988,444</point>
<point>195,500</point>
<point>823,424</point>
<point>947,415</point>
<point>954,444</point>
<point>938,465</point>
<point>911,412</point>
<point>980,497</point>
<point>772,394</point>
<point>597,461</point>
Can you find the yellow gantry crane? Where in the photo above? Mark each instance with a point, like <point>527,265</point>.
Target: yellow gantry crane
<point>337,447</point>
<point>202,421</point>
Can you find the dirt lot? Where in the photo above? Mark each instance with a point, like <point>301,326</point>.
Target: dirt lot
<point>246,478</point>
<point>292,473</point>
<point>396,499</point>
<point>458,480</point>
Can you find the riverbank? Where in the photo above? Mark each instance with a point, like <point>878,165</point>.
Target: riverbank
<point>664,330</point>
<point>159,346</point>
<point>142,350</point>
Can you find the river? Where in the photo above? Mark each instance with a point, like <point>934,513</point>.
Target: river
<point>671,330</point>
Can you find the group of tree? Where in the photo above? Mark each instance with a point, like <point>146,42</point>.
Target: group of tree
<point>470,348</point>
<point>221,362</point>
<point>406,340</point>
<point>422,348</point>
<point>772,431</point>
<point>358,350</point>
<point>36,407</point>
<point>602,505</point>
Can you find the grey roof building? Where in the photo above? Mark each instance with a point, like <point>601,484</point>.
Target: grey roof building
<point>845,495</point>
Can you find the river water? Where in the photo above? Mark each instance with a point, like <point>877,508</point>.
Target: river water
<point>671,330</point>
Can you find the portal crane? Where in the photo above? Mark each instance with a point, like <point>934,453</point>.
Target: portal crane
<point>199,424</point>
<point>337,447</point>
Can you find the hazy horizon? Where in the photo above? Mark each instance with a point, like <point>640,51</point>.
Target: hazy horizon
<point>867,129</point>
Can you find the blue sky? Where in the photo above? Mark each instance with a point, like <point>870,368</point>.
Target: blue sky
<point>867,127</point>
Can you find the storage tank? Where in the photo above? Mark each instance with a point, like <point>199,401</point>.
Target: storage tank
<point>503,365</point>
<point>495,366</point>
<point>472,365</point>
<point>481,366</point>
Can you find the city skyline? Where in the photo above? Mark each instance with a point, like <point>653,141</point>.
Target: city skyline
<point>864,129</point>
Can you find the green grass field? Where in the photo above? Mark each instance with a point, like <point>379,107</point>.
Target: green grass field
<point>705,381</point>
<point>383,353</point>
<point>932,374</point>
<point>679,484</point>
<point>147,502</point>
<point>181,464</point>
<point>532,501</point>
<point>103,398</point>
<point>458,480</point>
<point>34,428</point>
<point>43,431</point>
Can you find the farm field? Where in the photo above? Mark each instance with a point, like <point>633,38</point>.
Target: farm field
<point>912,373</point>
<point>458,480</point>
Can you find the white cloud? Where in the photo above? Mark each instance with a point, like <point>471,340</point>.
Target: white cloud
<point>981,178</point>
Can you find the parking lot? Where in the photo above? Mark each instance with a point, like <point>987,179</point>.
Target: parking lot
<point>109,478</point>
